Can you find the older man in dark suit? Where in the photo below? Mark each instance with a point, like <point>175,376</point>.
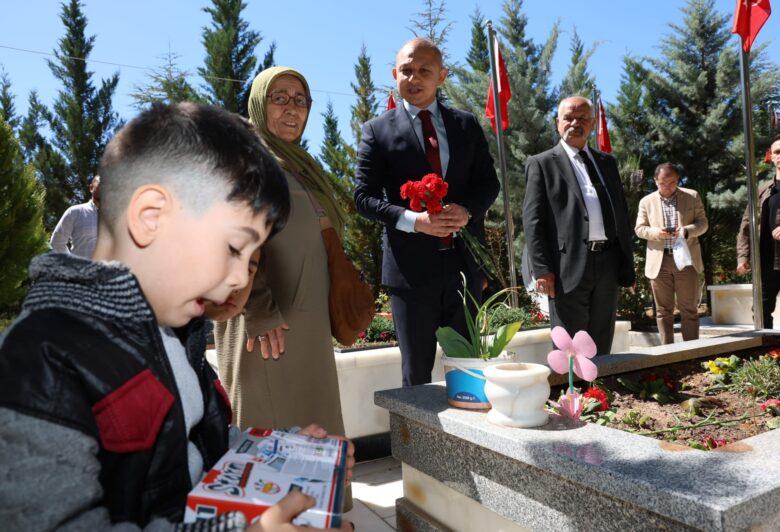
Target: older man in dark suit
<point>577,229</point>
<point>422,263</point>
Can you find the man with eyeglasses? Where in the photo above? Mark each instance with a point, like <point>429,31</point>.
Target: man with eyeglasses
<point>577,232</point>
<point>422,262</point>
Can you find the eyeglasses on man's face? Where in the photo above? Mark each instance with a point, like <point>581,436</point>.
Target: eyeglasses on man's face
<point>282,98</point>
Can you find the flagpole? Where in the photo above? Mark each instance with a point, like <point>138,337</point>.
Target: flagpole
<point>596,117</point>
<point>747,122</point>
<point>510,226</point>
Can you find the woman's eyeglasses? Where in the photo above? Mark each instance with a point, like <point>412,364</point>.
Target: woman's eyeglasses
<point>282,98</point>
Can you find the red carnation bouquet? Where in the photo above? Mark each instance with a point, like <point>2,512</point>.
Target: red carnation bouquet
<point>425,194</point>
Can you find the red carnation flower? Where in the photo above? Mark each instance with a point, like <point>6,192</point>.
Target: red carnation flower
<point>772,404</point>
<point>599,395</point>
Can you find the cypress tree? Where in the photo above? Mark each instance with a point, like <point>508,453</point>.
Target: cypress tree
<point>362,237</point>
<point>230,55</point>
<point>22,235</point>
<point>478,55</point>
<point>7,107</point>
<point>366,106</point>
<point>696,120</point>
<point>628,116</point>
<point>49,165</point>
<point>578,82</point>
<point>82,119</point>
<point>531,110</point>
<point>333,152</point>
<point>166,84</point>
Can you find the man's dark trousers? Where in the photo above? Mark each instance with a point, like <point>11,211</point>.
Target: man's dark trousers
<point>420,312</point>
<point>770,286</point>
<point>598,289</point>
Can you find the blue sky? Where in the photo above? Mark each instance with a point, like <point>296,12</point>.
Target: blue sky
<point>322,39</point>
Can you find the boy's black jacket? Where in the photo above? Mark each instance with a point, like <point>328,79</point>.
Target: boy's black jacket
<point>86,353</point>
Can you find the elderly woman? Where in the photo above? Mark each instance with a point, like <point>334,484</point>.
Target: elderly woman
<point>277,357</point>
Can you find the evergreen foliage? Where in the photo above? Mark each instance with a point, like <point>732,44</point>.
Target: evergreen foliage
<point>366,106</point>
<point>695,119</point>
<point>230,55</point>
<point>431,23</point>
<point>478,55</point>
<point>22,235</point>
<point>362,237</point>
<point>7,106</point>
<point>81,120</point>
<point>166,84</point>
<point>578,82</point>
<point>531,113</point>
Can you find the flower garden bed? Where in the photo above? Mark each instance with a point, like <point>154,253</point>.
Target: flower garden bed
<point>703,403</point>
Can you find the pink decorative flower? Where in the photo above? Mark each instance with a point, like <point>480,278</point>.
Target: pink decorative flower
<point>570,405</point>
<point>582,348</point>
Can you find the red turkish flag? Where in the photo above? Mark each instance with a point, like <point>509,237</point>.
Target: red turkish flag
<point>602,133</point>
<point>749,17</point>
<point>390,102</point>
<point>768,155</point>
<point>504,92</point>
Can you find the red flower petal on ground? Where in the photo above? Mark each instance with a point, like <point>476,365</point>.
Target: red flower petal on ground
<point>599,395</point>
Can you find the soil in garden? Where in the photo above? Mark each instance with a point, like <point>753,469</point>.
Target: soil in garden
<point>685,380</point>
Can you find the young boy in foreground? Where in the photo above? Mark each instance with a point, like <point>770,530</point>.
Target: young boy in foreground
<point>109,413</point>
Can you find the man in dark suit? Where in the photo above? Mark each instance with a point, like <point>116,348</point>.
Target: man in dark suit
<point>576,227</point>
<point>422,262</point>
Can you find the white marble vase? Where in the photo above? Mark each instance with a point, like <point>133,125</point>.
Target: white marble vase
<point>517,393</point>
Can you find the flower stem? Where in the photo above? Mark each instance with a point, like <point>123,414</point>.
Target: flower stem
<point>704,423</point>
<point>571,374</point>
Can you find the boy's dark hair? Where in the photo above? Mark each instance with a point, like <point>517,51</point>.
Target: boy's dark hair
<point>671,167</point>
<point>774,139</point>
<point>202,153</point>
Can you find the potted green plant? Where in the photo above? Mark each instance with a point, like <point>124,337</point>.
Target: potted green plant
<point>465,359</point>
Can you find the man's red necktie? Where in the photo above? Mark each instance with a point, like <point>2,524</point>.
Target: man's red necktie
<point>431,141</point>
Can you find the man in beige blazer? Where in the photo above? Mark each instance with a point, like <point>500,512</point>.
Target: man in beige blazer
<point>662,215</point>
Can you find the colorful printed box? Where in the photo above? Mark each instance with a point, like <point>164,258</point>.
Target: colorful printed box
<point>265,465</point>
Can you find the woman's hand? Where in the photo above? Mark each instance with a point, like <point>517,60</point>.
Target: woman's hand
<point>278,518</point>
<point>776,233</point>
<point>271,343</point>
<point>315,431</point>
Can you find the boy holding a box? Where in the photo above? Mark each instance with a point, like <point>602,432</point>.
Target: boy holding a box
<point>109,413</point>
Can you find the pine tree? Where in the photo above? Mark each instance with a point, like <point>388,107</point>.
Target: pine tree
<point>431,23</point>
<point>22,235</point>
<point>696,120</point>
<point>7,107</point>
<point>230,55</point>
<point>82,119</point>
<point>166,84</point>
<point>478,55</point>
<point>578,82</point>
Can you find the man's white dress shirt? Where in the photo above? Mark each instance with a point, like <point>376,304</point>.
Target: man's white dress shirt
<point>589,194</point>
<point>79,226</point>
<point>406,222</point>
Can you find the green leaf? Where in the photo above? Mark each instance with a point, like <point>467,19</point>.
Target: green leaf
<point>503,335</point>
<point>629,384</point>
<point>773,423</point>
<point>454,344</point>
